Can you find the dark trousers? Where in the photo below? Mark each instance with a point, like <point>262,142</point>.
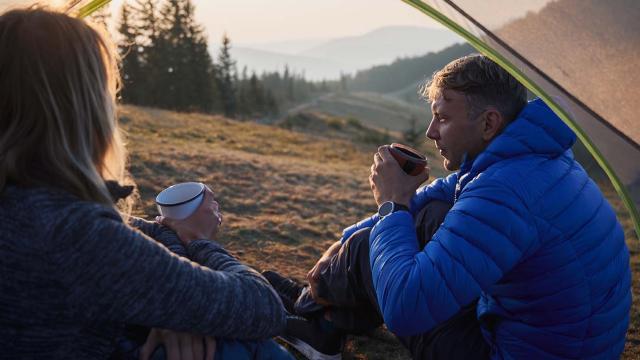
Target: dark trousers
<point>347,284</point>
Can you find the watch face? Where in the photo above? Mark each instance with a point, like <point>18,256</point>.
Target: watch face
<point>385,209</point>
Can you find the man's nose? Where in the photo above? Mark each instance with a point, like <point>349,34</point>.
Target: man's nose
<point>432,130</point>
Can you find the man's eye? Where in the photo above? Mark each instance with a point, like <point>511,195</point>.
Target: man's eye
<point>441,119</point>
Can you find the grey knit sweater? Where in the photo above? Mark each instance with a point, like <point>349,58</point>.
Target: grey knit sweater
<point>71,274</point>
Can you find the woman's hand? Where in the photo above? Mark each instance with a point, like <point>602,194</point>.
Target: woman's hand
<point>204,223</point>
<point>179,346</point>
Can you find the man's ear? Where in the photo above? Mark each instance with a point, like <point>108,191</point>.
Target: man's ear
<point>494,122</point>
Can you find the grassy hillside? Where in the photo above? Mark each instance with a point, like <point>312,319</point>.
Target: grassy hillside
<point>286,194</point>
<point>375,110</point>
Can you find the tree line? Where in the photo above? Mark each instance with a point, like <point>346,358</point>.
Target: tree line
<point>166,63</point>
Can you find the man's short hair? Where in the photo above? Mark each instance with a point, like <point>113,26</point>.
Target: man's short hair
<point>484,84</point>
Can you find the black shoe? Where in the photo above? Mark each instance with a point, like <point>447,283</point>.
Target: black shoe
<point>312,338</point>
<point>288,289</point>
<point>306,306</point>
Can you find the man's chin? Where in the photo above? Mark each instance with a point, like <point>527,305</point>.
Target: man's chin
<point>450,166</point>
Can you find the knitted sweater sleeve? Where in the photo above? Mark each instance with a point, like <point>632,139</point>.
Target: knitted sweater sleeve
<point>159,233</point>
<point>114,273</point>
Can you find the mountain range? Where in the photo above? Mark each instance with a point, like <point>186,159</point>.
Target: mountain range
<point>321,59</point>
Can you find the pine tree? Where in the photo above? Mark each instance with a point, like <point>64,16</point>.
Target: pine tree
<point>242,85</point>
<point>344,79</point>
<point>288,83</point>
<point>202,73</point>
<point>170,65</point>
<point>172,69</point>
<point>225,75</point>
<point>148,23</point>
<point>150,51</point>
<point>256,95</point>
<point>132,71</point>
<point>101,17</point>
<point>271,105</point>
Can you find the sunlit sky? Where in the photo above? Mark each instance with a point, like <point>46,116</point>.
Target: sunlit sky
<point>263,21</point>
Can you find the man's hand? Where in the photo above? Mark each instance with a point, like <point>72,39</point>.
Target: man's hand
<point>313,276</point>
<point>204,223</point>
<point>389,182</point>
<point>179,346</point>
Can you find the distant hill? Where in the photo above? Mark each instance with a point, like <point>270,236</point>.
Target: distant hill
<point>403,77</point>
<point>262,60</point>
<point>289,47</point>
<point>383,45</point>
<point>347,55</point>
<point>374,110</point>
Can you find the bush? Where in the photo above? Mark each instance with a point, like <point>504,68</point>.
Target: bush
<point>374,137</point>
<point>335,123</point>
<point>295,121</point>
<point>354,123</point>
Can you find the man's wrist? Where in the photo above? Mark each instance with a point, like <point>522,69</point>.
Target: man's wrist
<point>398,200</point>
<point>401,201</point>
<point>390,207</point>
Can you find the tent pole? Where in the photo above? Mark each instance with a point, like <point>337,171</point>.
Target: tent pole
<point>89,8</point>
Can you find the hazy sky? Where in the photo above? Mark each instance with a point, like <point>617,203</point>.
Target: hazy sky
<point>260,21</point>
<point>263,21</point>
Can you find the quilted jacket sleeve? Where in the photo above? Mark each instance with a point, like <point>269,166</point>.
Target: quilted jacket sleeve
<point>484,235</point>
<point>440,189</point>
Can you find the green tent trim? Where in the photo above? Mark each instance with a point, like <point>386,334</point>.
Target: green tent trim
<point>89,8</point>
<point>488,51</point>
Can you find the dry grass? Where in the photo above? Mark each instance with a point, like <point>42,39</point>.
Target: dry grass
<point>286,195</point>
<point>632,346</point>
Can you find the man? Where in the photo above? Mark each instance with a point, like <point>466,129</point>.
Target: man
<point>528,263</point>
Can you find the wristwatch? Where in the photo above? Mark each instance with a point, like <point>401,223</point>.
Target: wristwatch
<point>389,207</point>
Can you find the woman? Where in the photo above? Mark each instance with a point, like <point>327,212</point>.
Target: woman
<point>71,272</point>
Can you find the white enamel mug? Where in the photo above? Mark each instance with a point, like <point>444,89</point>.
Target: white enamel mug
<point>180,200</point>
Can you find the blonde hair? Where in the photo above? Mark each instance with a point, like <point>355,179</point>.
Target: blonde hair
<point>483,82</point>
<point>58,82</point>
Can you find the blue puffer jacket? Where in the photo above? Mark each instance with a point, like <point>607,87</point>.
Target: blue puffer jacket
<point>530,234</point>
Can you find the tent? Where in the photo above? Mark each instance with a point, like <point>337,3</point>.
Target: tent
<point>577,55</point>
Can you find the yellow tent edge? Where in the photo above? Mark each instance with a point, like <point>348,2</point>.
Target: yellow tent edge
<point>89,8</point>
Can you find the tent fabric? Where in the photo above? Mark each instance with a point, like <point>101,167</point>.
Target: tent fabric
<point>579,54</point>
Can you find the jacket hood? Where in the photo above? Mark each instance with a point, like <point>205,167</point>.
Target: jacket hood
<point>536,130</point>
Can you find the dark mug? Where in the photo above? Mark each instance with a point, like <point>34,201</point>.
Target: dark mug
<point>410,160</point>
